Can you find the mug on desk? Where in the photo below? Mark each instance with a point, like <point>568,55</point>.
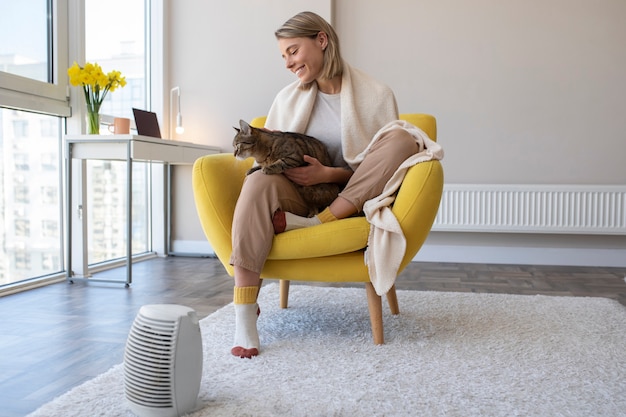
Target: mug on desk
<point>120,126</point>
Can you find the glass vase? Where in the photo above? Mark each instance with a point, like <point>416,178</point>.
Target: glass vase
<point>93,122</point>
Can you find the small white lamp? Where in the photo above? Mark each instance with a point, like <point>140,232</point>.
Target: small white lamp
<point>179,117</point>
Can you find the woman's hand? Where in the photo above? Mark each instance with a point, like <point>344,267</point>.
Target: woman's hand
<point>307,175</point>
<point>316,173</point>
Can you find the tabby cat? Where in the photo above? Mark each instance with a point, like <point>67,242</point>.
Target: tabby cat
<point>276,151</point>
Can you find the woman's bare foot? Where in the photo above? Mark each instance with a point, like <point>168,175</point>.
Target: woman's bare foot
<point>284,221</point>
<point>279,221</point>
<point>243,352</point>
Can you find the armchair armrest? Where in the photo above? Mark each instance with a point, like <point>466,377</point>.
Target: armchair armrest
<point>217,181</point>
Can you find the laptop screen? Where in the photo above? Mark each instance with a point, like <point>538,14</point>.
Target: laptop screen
<point>147,123</point>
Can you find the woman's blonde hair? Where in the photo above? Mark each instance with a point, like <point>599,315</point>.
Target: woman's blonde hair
<point>309,25</point>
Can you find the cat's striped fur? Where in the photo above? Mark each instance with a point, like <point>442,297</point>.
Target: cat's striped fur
<point>276,151</point>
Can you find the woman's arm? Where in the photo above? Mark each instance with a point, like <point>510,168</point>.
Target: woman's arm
<point>316,173</point>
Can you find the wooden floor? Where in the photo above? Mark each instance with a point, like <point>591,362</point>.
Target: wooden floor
<point>56,337</point>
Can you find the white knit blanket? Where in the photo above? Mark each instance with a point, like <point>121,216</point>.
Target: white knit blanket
<point>366,105</point>
<point>387,244</point>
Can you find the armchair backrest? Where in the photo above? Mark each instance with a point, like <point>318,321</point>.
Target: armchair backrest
<point>426,122</point>
<point>258,121</point>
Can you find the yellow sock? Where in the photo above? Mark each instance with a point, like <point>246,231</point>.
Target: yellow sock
<point>326,216</point>
<point>245,295</point>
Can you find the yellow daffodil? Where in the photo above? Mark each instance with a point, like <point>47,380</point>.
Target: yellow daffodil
<point>96,84</point>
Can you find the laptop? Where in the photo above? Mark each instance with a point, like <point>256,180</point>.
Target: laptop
<point>147,123</point>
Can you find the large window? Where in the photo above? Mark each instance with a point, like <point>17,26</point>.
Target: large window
<point>119,43</point>
<point>107,210</point>
<point>33,56</point>
<point>33,53</point>
<point>35,112</point>
<point>30,199</point>
<point>25,33</point>
<point>120,47</point>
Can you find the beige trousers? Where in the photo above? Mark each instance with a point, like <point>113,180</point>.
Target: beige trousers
<point>261,195</point>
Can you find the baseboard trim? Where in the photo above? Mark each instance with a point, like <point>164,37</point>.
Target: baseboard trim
<point>612,258</point>
<point>192,248</point>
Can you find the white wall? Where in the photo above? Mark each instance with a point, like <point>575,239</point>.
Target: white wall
<point>524,91</point>
<point>225,59</point>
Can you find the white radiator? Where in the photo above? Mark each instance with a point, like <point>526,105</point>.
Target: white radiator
<point>533,209</point>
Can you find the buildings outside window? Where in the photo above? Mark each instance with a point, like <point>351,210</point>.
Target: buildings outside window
<point>34,55</point>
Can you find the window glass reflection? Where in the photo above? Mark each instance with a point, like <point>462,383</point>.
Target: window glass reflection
<point>25,38</point>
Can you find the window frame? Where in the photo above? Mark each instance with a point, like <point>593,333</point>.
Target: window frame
<point>22,93</point>
<point>56,98</point>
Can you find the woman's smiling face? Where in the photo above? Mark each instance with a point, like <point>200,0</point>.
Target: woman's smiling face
<point>304,56</point>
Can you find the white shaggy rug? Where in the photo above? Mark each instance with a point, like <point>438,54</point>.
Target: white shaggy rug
<point>446,354</point>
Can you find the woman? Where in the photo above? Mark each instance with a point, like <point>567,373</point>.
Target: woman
<point>344,108</point>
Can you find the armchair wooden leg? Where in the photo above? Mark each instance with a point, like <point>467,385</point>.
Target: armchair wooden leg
<point>375,304</point>
<point>392,298</point>
<point>284,293</point>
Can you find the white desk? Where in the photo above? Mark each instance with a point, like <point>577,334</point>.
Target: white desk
<point>129,148</point>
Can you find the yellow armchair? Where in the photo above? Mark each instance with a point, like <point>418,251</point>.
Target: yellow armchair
<point>330,252</point>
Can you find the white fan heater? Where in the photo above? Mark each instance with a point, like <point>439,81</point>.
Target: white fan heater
<point>163,361</point>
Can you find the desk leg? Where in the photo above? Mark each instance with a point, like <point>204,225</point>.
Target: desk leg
<point>129,218</point>
<point>168,209</point>
<point>159,208</point>
<point>79,219</point>
<point>76,218</point>
<point>68,208</point>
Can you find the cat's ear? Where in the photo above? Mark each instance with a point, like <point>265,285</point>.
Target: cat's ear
<point>237,129</point>
<point>245,127</point>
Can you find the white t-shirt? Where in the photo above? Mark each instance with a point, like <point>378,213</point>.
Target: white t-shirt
<point>325,125</point>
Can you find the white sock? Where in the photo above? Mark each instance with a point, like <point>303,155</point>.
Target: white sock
<point>298,222</point>
<point>246,334</point>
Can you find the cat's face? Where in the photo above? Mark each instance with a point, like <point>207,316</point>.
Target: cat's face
<point>243,146</point>
<point>244,141</point>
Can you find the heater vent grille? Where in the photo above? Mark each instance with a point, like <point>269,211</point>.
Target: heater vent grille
<point>163,361</point>
<point>149,362</point>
